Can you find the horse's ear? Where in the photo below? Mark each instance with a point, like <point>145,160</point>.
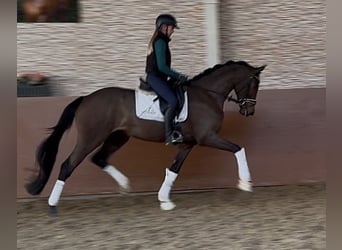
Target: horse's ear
<point>261,68</point>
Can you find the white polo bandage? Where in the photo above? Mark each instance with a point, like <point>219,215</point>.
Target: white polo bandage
<point>242,165</point>
<point>56,193</point>
<point>117,175</point>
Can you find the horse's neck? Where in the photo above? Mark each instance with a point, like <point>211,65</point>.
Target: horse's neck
<point>219,81</point>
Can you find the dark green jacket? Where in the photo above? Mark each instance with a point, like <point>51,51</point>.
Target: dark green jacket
<point>159,61</point>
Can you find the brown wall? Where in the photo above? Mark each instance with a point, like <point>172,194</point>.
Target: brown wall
<point>284,143</point>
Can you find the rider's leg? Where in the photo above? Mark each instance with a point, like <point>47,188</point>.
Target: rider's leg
<point>165,91</point>
<point>171,135</point>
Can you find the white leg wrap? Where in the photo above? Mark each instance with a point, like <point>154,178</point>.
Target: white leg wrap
<point>242,165</point>
<point>120,178</point>
<point>56,193</point>
<point>244,175</point>
<point>164,191</point>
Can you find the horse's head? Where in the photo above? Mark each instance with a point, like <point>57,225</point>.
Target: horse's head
<point>239,76</point>
<point>246,91</point>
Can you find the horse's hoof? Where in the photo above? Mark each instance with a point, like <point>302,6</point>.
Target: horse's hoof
<point>53,212</point>
<point>245,186</point>
<point>167,205</point>
<point>124,189</point>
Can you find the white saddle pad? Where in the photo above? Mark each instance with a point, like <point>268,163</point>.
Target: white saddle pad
<point>148,109</point>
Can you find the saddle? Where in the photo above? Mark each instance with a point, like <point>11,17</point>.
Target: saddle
<point>180,90</point>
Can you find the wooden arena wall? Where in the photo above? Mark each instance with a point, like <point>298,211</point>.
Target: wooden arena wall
<point>284,142</point>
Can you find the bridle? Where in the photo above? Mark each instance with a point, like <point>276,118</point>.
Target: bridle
<point>243,101</point>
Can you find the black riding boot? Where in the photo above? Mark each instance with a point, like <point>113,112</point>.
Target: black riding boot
<point>171,135</point>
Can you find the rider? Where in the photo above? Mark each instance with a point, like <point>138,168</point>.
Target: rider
<point>158,72</point>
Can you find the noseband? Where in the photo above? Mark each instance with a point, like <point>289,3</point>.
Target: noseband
<point>242,101</point>
<point>245,100</point>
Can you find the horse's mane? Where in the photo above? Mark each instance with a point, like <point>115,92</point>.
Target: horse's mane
<point>217,66</point>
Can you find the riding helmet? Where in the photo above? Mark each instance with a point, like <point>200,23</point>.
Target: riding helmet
<point>166,19</point>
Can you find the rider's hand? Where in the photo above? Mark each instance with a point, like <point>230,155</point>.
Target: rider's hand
<point>183,79</point>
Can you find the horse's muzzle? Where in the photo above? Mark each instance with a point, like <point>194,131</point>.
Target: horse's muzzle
<point>245,111</point>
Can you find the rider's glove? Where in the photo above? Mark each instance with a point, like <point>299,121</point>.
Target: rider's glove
<point>182,79</point>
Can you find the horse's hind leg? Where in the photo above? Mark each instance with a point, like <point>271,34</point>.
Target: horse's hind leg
<point>171,175</point>
<point>113,142</point>
<point>81,150</point>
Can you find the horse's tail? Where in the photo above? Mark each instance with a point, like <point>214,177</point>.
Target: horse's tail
<point>47,150</point>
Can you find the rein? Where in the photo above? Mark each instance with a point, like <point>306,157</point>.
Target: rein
<point>241,101</point>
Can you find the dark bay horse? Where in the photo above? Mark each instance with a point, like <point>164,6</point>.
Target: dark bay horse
<point>107,118</point>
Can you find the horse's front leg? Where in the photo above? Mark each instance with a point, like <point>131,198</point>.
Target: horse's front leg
<point>245,183</point>
<point>171,175</point>
<point>216,141</point>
